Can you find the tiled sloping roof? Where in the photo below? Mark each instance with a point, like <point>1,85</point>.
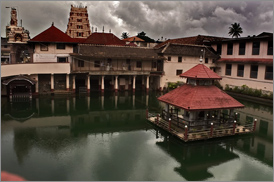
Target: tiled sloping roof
<point>196,40</point>
<point>133,39</point>
<point>104,39</point>
<point>52,34</point>
<point>188,50</point>
<point>200,71</point>
<point>200,98</point>
<point>80,40</point>
<point>246,60</point>
<point>124,52</point>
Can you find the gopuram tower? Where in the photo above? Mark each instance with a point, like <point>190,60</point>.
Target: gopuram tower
<point>78,24</point>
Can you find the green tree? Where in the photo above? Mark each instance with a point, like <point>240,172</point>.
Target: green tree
<point>125,35</point>
<point>235,30</point>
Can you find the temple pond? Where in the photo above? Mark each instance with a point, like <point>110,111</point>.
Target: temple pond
<point>107,137</point>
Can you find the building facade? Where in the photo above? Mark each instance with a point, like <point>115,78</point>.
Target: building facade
<point>246,61</point>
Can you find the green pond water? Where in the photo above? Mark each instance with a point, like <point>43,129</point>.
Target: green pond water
<point>106,137</point>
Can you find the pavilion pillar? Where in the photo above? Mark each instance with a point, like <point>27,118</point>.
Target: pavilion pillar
<point>116,84</point>
<point>88,99</point>
<point>52,82</point>
<point>102,83</point>
<point>219,114</point>
<point>231,113</point>
<point>74,103</point>
<point>88,83</point>
<point>67,82</point>
<point>205,115</point>
<point>30,92</point>
<point>133,84</point>
<point>147,84</point>
<point>73,83</point>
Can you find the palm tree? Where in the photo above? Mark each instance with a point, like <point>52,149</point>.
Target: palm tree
<point>125,35</point>
<point>235,30</point>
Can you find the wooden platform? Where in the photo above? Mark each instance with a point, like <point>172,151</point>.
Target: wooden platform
<point>198,135</point>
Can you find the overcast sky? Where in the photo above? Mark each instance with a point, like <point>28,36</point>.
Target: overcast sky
<point>168,19</point>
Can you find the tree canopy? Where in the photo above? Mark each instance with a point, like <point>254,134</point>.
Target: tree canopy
<point>142,35</point>
<point>125,35</point>
<point>235,30</point>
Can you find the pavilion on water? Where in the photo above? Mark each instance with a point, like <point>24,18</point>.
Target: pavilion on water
<point>207,111</point>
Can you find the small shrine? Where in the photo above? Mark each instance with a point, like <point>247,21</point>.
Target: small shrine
<point>198,109</point>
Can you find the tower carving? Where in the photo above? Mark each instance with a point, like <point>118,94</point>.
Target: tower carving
<point>78,23</point>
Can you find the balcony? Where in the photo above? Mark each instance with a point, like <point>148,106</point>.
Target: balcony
<point>34,68</point>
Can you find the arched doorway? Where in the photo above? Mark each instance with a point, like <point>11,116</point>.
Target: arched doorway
<point>20,87</point>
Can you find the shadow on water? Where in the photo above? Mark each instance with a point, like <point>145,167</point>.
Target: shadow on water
<point>57,123</point>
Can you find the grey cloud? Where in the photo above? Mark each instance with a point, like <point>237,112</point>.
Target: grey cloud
<point>170,19</point>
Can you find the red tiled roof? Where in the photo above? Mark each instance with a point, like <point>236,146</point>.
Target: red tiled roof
<point>104,39</point>
<point>200,71</point>
<point>80,40</point>
<point>246,60</point>
<point>196,40</point>
<point>52,34</point>
<point>190,97</point>
<point>133,39</point>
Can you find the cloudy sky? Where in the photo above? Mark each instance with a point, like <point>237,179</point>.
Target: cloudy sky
<point>168,19</point>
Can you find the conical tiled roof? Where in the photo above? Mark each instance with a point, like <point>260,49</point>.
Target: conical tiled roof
<point>190,97</point>
<point>200,71</point>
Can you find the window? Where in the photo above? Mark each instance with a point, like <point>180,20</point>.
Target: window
<point>219,49</point>
<point>268,73</point>
<point>178,72</point>
<point>79,20</point>
<point>240,71</point>
<point>270,48</point>
<point>179,59</point>
<point>80,34</point>
<point>228,69</point>
<point>96,63</point>
<point>229,48</point>
<point>169,58</point>
<point>60,46</point>
<point>253,71</point>
<point>206,60</point>
<point>80,63</point>
<point>256,48</point>
<point>154,64</point>
<point>242,48</point>
<point>128,61</point>
<point>43,47</point>
<point>62,59</point>
<point>138,64</point>
<point>5,46</point>
<point>213,60</point>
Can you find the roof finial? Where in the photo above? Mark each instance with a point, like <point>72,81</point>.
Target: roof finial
<point>52,24</point>
<point>96,29</point>
<point>109,30</point>
<point>103,29</point>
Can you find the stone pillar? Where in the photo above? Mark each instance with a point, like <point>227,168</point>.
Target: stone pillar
<point>231,113</point>
<point>219,114</point>
<point>88,83</point>
<point>52,82</point>
<point>205,116</point>
<point>134,83</point>
<point>67,82</point>
<point>73,83</point>
<point>30,92</point>
<point>147,87</point>
<point>116,84</point>
<point>37,106</point>
<point>102,84</point>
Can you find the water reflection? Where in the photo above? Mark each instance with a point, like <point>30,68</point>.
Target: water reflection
<point>62,124</point>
